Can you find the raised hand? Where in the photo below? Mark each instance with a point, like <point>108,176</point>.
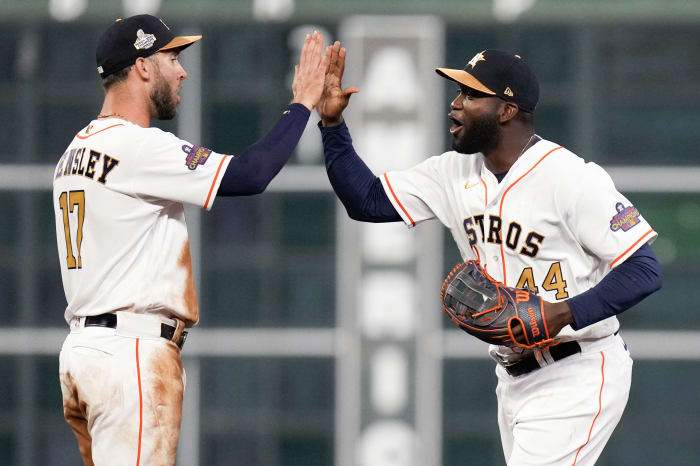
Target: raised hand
<point>335,98</point>
<point>309,74</point>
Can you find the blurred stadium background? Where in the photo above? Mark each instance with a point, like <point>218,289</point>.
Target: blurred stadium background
<point>321,341</point>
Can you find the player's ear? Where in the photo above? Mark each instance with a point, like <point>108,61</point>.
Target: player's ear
<point>141,66</point>
<point>507,112</point>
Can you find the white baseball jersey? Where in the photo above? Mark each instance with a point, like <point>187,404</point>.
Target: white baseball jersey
<point>555,223</point>
<point>118,196</point>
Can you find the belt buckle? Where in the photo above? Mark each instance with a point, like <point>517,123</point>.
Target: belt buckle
<point>522,366</point>
<point>504,363</point>
<point>510,368</point>
<point>181,341</point>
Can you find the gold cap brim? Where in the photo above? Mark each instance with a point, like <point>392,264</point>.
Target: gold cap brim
<point>465,78</point>
<point>180,41</point>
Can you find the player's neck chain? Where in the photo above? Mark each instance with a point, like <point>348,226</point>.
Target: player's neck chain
<point>112,115</point>
<point>533,140</point>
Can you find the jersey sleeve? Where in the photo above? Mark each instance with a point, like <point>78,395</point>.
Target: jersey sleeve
<point>604,221</point>
<point>418,193</point>
<point>168,167</point>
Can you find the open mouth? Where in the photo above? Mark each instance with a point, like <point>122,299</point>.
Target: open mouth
<point>456,126</point>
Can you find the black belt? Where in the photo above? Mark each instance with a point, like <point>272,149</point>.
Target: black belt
<point>529,363</point>
<point>110,320</point>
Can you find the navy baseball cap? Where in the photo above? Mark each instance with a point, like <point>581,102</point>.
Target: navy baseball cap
<point>133,37</point>
<point>501,74</point>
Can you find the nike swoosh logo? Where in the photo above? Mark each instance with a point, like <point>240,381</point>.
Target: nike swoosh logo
<point>470,185</point>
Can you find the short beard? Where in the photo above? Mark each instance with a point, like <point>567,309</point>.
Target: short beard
<point>484,135</point>
<point>162,99</point>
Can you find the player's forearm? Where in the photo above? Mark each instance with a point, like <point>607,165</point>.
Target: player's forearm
<point>626,285</point>
<point>558,316</point>
<point>252,170</point>
<point>330,122</point>
<point>359,190</point>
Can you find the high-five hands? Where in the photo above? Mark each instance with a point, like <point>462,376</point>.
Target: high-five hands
<point>310,73</point>
<point>334,99</point>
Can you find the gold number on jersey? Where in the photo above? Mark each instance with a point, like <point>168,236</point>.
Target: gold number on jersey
<point>68,201</point>
<point>553,281</point>
<point>527,280</point>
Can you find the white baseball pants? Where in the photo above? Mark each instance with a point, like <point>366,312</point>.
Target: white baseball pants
<point>564,413</point>
<point>122,396</point>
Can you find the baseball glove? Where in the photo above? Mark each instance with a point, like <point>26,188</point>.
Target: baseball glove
<point>489,310</point>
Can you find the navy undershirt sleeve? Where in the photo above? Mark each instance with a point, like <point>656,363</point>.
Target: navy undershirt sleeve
<point>360,191</point>
<point>625,285</point>
<point>252,170</point>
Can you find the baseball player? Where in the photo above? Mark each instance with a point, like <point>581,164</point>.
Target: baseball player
<point>119,190</point>
<point>535,216</point>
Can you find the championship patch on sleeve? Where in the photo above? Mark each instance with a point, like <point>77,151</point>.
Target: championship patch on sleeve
<point>196,156</point>
<point>625,218</point>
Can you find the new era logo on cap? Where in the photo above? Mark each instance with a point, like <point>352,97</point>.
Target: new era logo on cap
<point>500,74</point>
<point>133,37</point>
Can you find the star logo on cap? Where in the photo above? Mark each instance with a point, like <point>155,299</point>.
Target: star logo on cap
<point>477,58</point>
<point>143,40</point>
